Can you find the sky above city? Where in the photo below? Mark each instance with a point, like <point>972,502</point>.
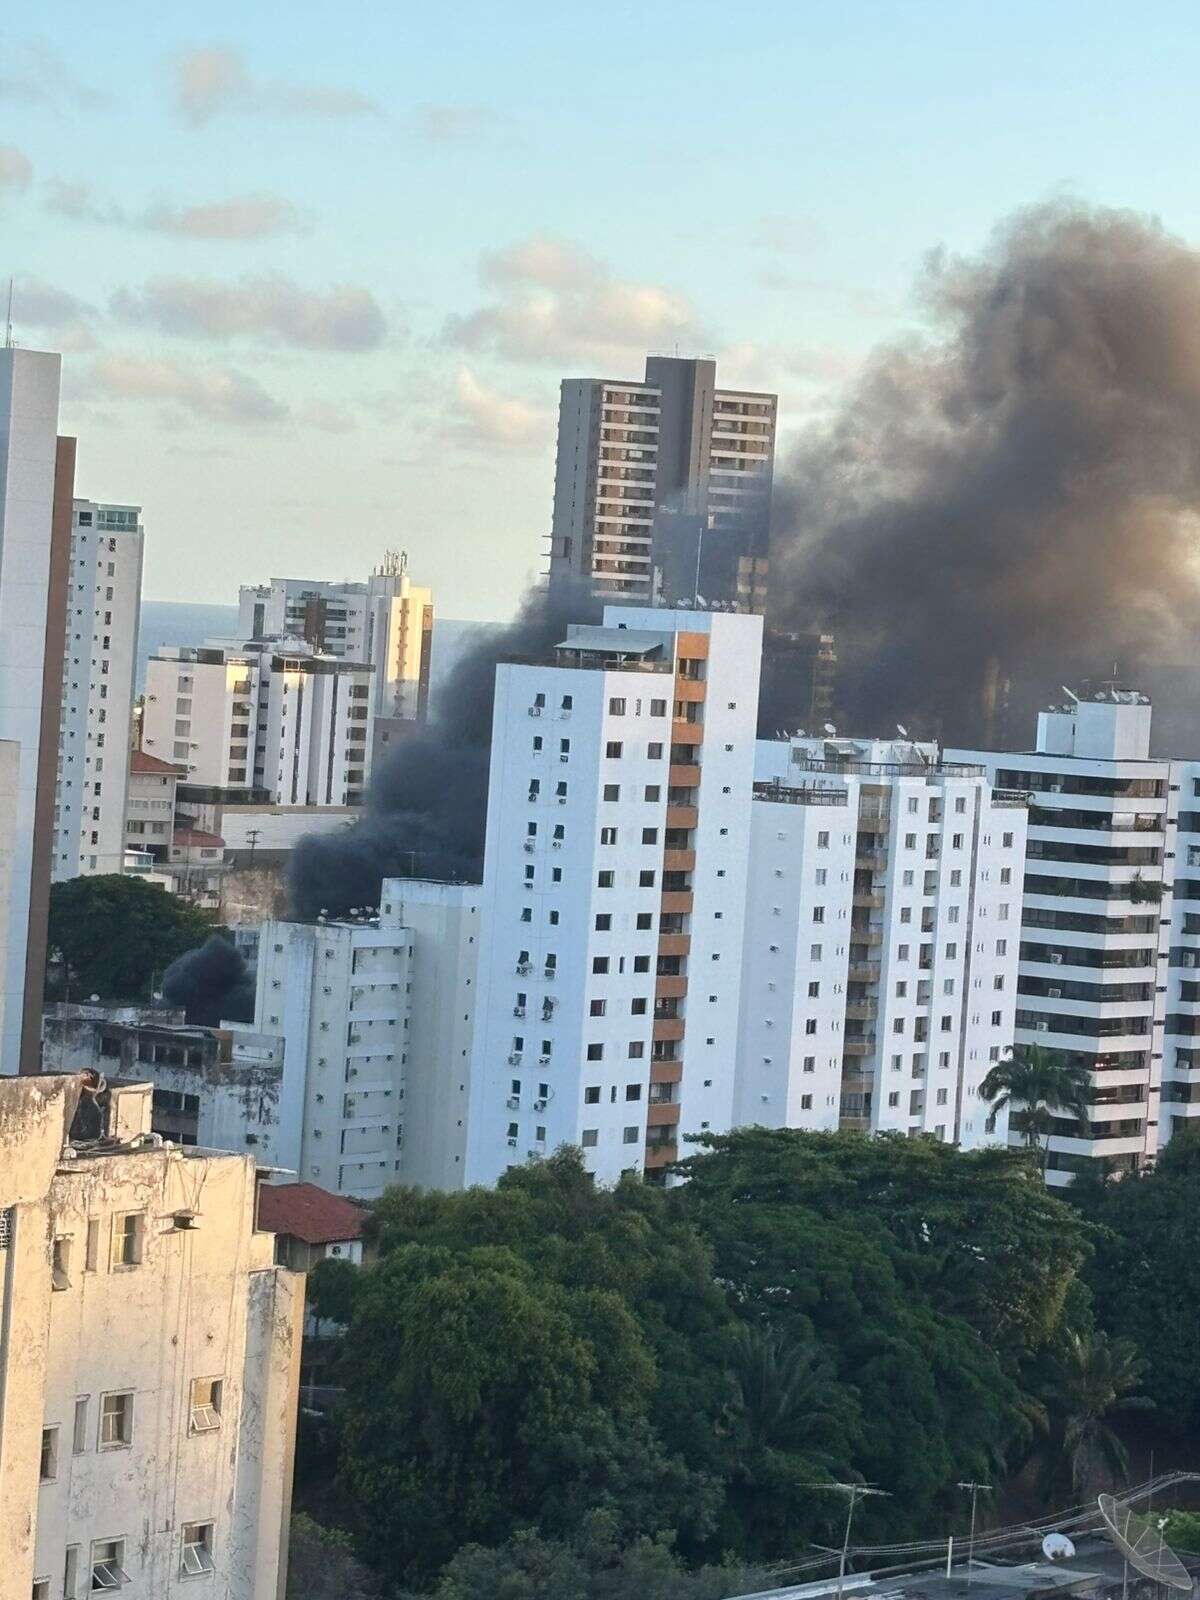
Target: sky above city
<point>316,270</point>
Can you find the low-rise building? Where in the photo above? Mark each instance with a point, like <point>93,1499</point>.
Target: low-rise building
<point>149,1356</point>
<point>310,1224</point>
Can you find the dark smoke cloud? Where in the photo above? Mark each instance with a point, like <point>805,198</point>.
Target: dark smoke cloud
<point>212,984</point>
<point>427,805</point>
<point>1019,488</point>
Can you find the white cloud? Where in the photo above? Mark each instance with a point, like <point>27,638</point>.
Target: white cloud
<point>268,307</point>
<point>485,418</point>
<point>16,169</point>
<point>251,216</point>
<point>79,203</point>
<point>37,304</point>
<point>455,124</point>
<point>218,394</point>
<point>326,417</point>
<point>557,304</point>
<point>33,73</point>
<point>211,80</point>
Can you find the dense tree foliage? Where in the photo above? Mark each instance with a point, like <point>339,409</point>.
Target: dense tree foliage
<point>1144,1273</point>
<point>115,936</point>
<point>685,1365</point>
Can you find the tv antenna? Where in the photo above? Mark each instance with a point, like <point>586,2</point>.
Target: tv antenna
<point>854,1492</point>
<point>8,344</point>
<point>974,1489</point>
<point>1143,1546</point>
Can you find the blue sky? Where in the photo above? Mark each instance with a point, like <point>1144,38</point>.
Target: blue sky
<point>317,269</point>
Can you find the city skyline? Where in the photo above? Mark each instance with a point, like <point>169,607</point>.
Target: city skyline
<point>297,294</point>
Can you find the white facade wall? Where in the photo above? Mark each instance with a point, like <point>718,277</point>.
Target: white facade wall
<point>29,389</point>
<point>1096,944</point>
<point>1180,1098</point>
<point>338,995</point>
<point>583,783</point>
<point>150,812</point>
<point>915,886</point>
<point>99,667</point>
<point>200,1302</point>
<point>194,700</point>
<point>443,921</point>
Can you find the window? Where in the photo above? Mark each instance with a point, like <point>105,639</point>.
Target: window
<point>608,836</point>
<point>597,1008</point>
<point>652,791</point>
<point>637,1008</point>
<point>947,985</point>
<point>629,1136</point>
<point>941,1097</point>
<point>595,1052</point>
<point>79,1433</point>
<point>818,913</point>
<point>894,1098</point>
<point>60,1274</point>
<point>612,750</point>
<point>206,1405</point>
<point>905,913</point>
<point>654,751</point>
<point>591,1095</point>
<point>1001,947</point>
<point>649,835</point>
<point>646,878</point>
<point>996,1016</point>
<point>127,1236</point>
<point>806,1102</point>
<point>956,841</point>
<point>108,1564</point>
<point>637,1050</point>
<point>810,1025</point>
<point>960,804</point>
<point>564,747</point>
<point>599,963</point>
<point>947,1023</point>
<point>823,840</point>
<point>907,879</point>
<point>116,1420</point>
<point>998,981</point>
<point>197,1549</point>
<point>951,950</point>
<point>568,702</point>
<point>590,1139</point>
<point>820,877</point>
<point>814,990</point>
<point>814,952</point>
<point>616,707</point>
<point>612,791</point>
<point>910,841</point>
<point>658,708</point>
<point>537,743</point>
<point>641,963</point>
<point>1005,874</point>
<point>91,1256</point>
<point>71,1572</point>
<point>810,1063</point>
<point>1007,841</point>
<point>902,952</point>
<point>48,1470</point>
<point>603,922</point>
<point>605,880</point>
<point>645,920</point>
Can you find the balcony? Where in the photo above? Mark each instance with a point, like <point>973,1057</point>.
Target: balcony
<point>868,860</point>
<point>684,817</point>
<point>660,1153</point>
<point>679,901</point>
<point>666,1071</point>
<point>872,819</point>
<point>684,777</point>
<point>670,987</point>
<point>871,937</point>
<point>664,1115</point>
<point>871,899</point>
<point>863,1045</point>
<point>665,1028</point>
<point>679,860</point>
<point>674,944</point>
<point>689,691</point>
<point>862,1010</point>
<point>684,732</point>
<point>863,972</point>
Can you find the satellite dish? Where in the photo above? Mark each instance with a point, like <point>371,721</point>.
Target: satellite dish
<point>902,730</point>
<point>1057,1547</point>
<point>1143,1545</point>
<point>1070,693</point>
<point>829,728</point>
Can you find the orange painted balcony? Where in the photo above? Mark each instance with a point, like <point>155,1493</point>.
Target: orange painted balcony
<point>662,1116</point>
<point>670,988</point>
<point>689,691</point>
<point>691,646</point>
<point>660,1155</point>
<point>679,860</point>
<point>684,777</point>
<point>668,1028</point>
<point>674,944</point>
<point>677,900</point>
<point>682,816</point>
<point>687,732</point>
<point>666,1071</point>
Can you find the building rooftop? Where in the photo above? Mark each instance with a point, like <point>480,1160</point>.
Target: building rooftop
<point>197,836</point>
<point>308,1213</point>
<point>139,761</point>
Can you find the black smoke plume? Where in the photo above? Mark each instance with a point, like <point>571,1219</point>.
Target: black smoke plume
<point>1014,496</point>
<point>212,984</point>
<point>427,804</point>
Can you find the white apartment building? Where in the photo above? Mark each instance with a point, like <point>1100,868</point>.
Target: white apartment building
<point>98,671</point>
<point>1097,932</point>
<point>36,488</point>
<point>1180,1095</point>
<point>386,621</point>
<point>662,487</point>
<point>879,969</point>
<point>150,804</point>
<point>366,1007</point>
<point>614,890</point>
<point>268,718</point>
<point>149,1357</point>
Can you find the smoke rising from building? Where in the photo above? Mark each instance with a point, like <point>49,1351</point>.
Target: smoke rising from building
<point>212,984</point>
<point>1018,493</point>
<point>427,805</point>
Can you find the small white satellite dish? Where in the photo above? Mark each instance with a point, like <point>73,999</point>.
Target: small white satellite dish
<point>902,730</point>
<point>1057,1547</point>
<point>830,729</point>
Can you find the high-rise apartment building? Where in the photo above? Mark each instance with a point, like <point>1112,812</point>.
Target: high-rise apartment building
<point>614,892</point>
<point>1097,940</point>
<point>371,1010</point>
<point>882,926</point>
<point>149,1356</point>
<point>37,471</point>
<point>662,487</point>
<point>387,622</point>
<point>98,671</point>
<point>269,719</point>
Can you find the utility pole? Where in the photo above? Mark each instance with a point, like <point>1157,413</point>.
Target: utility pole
<point>854,1492</point>
<point>252,837</point>
<point>974,1488</point>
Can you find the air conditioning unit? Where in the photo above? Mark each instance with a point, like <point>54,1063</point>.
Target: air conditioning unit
<point>562,799</point>
<point>1041,1027</point>
<point>564,757</point>
<point>512,1144</point>
<point>535,711</point>
<point>1054,994</point>
<point>518,1011</point>
<point>556,844</point>
<point>524,969</point>
<point>529,847</point>
<point>540,1105</point>
<point>513,1102</point>
<point>543,1061</point>
<point>1056,958</point>
<point>514,1059</point>
<point>548,974</point>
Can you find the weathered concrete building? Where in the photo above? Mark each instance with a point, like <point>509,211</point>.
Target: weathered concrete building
<point>149,1356</point>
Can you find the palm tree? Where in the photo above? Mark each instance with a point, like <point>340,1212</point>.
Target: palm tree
<point>1037,1083</point>
<point>1092,1379</point>
<point>781,1388</point>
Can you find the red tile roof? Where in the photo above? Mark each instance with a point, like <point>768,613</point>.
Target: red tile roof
<point>308,1213</point>
<point>197,836</point>
<point>139,761</point>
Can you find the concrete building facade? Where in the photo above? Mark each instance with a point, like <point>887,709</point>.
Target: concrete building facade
<point>662,487</point>
<point>879,980</point>
<point>149,1357</point>
<point>98,671</point>
<point>269,719</point>
<point>1096,921</point>
<point>614,891</point>
<point>37,471</point>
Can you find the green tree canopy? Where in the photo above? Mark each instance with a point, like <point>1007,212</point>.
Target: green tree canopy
<point>114,936</point>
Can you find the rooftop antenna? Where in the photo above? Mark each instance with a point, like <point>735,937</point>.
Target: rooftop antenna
<point>1070,693</point>
<point>8,344</point>
<point>974,1488</point>
<point>854,1492</point>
